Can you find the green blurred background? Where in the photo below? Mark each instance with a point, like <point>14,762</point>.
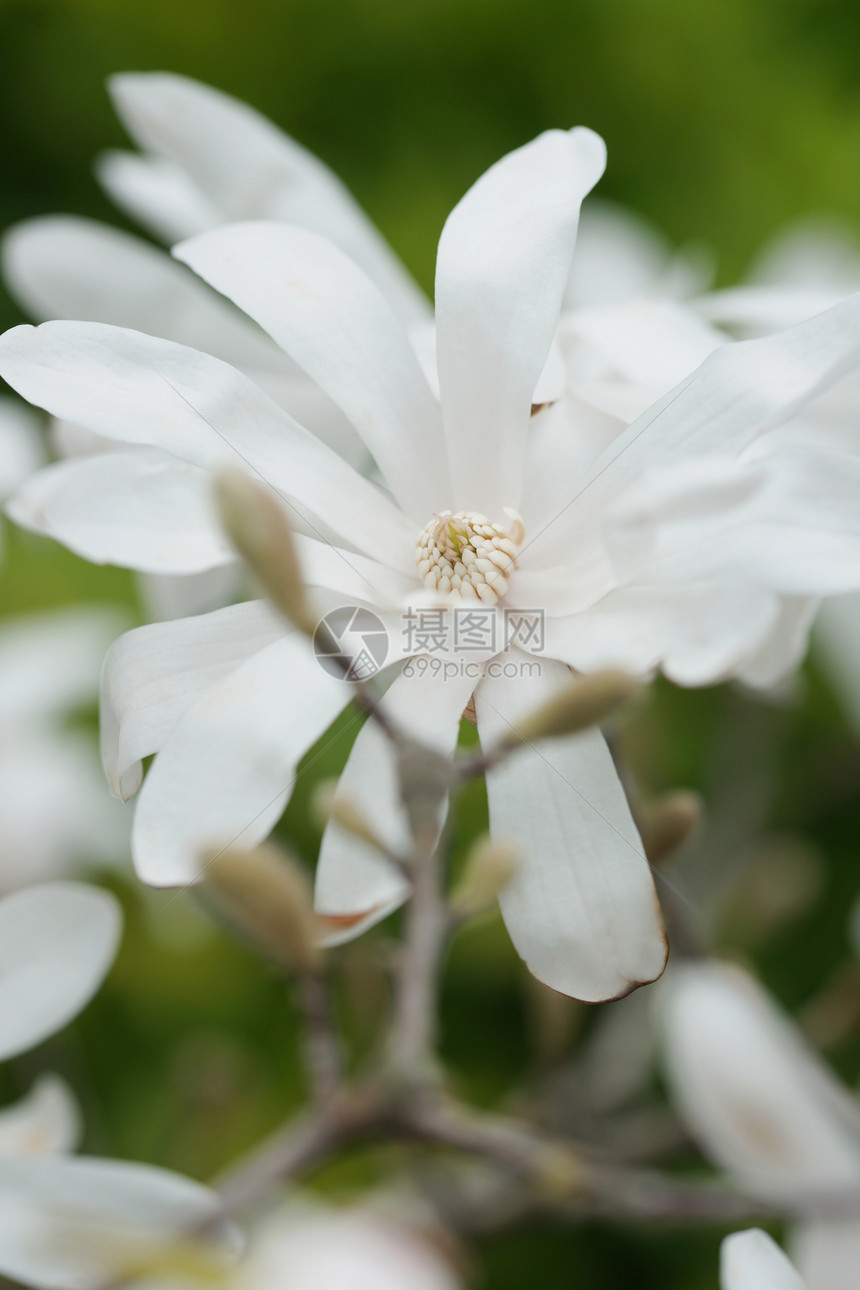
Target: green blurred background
<point>724,119</point>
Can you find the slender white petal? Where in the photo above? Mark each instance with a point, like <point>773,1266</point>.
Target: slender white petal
<point>740,391</point>
<point>789,520</point>
<point>246,168</point>
<point>753,1261</point>
<point>353,880</point>
<point>165,596</point>
<point>621,256</point>
<point>827,1254</point>
<point>21,449</point>
<point>621,358</point>
<point>324,312</point>
<point>143,390</point>
<point>61,266</point>
<point>46,1122</point>
<point>759,1102</point>
<point>227,768</point>
<point>57,942</point>
<point>581,910</point>
<point>307,1246</point>
<point>695,633</point>
<point>72,1222</point>
<point>153,674</point>
<point>503,263</point>
<point>156,193</point>
<point>140,509</point>
<point>784,646</point>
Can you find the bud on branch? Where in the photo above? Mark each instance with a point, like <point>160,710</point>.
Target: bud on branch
<point>490,865</point>
<point>585,702</point>
<point>266,897</point>
<point>255,522</point>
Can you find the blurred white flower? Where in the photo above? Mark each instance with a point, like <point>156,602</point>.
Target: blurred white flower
<point>74,1222</point>
<point>20,447</point>
<point>57,942</point>
<point>46,1121</point>
<point>765,1108</point>
<point>55,815</point>
<point>673,547</point>
<point>753,1261</point>
<point>307,1245</point>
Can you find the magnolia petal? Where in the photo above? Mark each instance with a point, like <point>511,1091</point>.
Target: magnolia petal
<point>752,1260</point>
<point>785,645</point>
<point>759,310</point>
<point>156,193</point>
<point>623,357</point>
<point>142,390</point>
<point>740,391</point>
<point>789,519</point>
<point>153,674</point>
<point>759,1102</point>
<point>57,941</point>
<point>324,312</point>
<point>246,168</point>
<point>167,596</point>
<point>227,767</point>
<point>827,1254</point>
<point>581,909</point>
<point>349,574</point>
<point>503,263</point>
<point>696,634</point>
<point>621,256</point>
<point>352,878</point>
<point>21,449</point>
<point>61,266</point>
<point>46,1122</point>
<point>308,1245</point>
<point>140,509</point>
<point>71,1222</point>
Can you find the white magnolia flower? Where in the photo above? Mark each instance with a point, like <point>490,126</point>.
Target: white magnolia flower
<point>55,815</point>
<point>764,1107</point>
<point>753,1261</point>
<point>607,546</point>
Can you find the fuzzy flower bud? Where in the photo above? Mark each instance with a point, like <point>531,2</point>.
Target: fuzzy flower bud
<point>266,896</point>
<point>585,702</point>
<point>489,866</point>
<point>668,822</point>
<point>258,528</point>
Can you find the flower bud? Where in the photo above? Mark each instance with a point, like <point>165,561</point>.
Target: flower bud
<point>266,896</point>
<point>343,810</point>
<point>585,702</point>
<point>255,522</point>
<point>667,823</point>
<point>489,866</point>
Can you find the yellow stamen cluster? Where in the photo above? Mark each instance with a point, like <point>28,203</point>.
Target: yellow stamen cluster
<point>466,555</point>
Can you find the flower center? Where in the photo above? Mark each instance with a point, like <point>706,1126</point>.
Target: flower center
<point>467,555</point>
